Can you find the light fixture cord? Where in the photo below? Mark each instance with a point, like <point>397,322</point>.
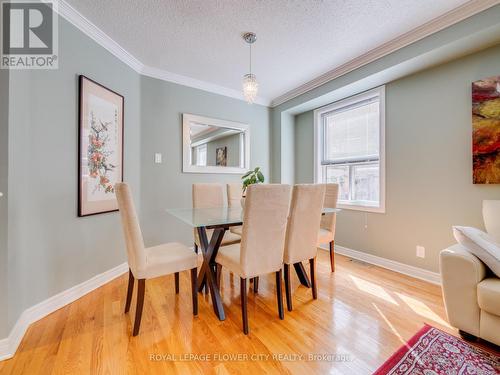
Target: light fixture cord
<point>250,58</point>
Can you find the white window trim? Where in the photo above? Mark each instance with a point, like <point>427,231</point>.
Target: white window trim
<point>198,148</point>
<point>318,173</point>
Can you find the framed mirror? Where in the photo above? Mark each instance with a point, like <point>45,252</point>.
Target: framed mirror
<point>214,146</point>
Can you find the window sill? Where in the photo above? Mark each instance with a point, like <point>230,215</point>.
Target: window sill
<point>361,207</point>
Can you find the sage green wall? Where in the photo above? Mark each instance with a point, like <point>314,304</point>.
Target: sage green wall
<point>50,248</point>
<point>428,164</point>
<point>164,185</point>
<point>303,148</point>
<point>4,154</point>
<point>287,169</point>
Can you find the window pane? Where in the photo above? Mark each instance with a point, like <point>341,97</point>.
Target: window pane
<point>366,182</point>
<point>201,155</point>
<point>352,133</point>
<point>338,175</point>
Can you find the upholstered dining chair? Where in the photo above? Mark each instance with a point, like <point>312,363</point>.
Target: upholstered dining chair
<point>326,232</point>
<point>234,195</point>
<point>302,232</point>
<point>262,241</point>
<point>150,262</point>
<point>210,195</point>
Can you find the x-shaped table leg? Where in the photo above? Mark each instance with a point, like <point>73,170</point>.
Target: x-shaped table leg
<point>301,273</point>
<point>206,275</point>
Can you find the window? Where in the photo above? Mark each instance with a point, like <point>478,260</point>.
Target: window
<point>201,155</point>
<point>349,150</point>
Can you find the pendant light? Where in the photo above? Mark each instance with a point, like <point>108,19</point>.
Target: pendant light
<point>250,85</point>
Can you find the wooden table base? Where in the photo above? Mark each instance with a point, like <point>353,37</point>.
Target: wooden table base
<point>207,271</point>
<point>301,273</point>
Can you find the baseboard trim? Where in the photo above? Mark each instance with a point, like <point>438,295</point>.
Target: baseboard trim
<point>405,269</point>
<point>9,345</point>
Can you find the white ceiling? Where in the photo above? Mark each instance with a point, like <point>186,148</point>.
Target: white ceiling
<point>297,40</point>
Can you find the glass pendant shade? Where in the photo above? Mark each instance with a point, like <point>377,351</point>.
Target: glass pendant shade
<point>250,87</point>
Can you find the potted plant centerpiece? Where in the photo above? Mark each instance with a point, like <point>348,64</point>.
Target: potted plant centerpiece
<point>254,176</point>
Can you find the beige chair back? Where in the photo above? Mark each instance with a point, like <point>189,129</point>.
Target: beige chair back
<point>264,228</point>
<point>234,194</point>
<point>491,217</point>
<point>133,236</point>
<point>208,195</point>
<point>303,222</point>
<point>331,197</point>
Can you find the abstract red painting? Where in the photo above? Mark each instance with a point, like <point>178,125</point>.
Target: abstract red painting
<point>486,130</point>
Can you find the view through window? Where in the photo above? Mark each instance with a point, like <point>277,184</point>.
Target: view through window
<point>349,149</point>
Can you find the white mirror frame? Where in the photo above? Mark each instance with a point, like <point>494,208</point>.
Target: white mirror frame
<point>186,144</point>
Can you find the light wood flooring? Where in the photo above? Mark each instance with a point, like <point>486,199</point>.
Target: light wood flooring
<point>363,314</point>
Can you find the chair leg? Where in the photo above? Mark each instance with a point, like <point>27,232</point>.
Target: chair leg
<point>332,256</point>
<point>256,284</point>
<point>218,274</point>
<point>194,289</point>
<point>244,312</point>
<point>314,286</point>
<point>288,288</point>
<point>279,294</point>
<point>196,248</point>
<point>140,304</point>
<point>177,283</point>
<point>130,290</point>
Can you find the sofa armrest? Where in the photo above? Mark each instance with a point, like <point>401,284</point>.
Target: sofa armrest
<point>461,271</point>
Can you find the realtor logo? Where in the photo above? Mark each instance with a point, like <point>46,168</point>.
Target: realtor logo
<point>29,35</point>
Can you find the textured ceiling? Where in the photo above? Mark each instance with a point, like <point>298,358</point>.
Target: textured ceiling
<point>297,40</point>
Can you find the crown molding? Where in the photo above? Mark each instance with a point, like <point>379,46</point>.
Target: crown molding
<point>197,84</point>
<point>437,24</point>
<point>454,16</point>
<point>92,31</point>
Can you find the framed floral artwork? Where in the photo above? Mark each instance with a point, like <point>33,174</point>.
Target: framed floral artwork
<point>100,147</point>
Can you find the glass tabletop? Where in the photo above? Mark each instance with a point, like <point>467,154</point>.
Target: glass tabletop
<point>218,216</point>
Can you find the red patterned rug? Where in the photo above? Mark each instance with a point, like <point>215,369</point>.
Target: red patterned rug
<point>434,352</point>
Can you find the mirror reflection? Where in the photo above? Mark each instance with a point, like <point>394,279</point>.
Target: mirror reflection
<point>216,146</point>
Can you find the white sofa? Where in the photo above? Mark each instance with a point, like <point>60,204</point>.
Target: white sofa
<point>471,291</point>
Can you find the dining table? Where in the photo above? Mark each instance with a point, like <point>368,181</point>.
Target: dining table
<point>219,220</point>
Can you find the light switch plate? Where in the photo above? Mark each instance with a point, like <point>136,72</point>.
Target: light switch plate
<point>158,158</point>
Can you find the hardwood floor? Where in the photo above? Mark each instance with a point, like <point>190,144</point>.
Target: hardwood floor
<point>362,315</point>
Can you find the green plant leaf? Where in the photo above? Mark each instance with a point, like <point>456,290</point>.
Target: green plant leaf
<point>247,174</point>
<point>260,176</point>
<point>256,169</point>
